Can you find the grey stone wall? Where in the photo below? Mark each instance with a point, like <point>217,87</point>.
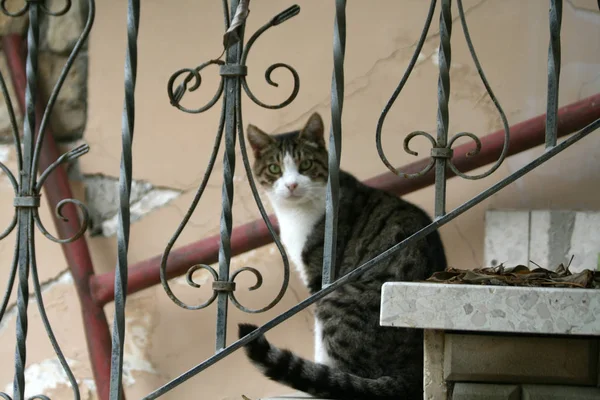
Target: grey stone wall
<point>58,36</point>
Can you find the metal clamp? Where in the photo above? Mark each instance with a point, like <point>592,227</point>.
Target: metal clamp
<point>233,70</point>
<point>441,152</point>
<point>27,201</point>
<point>223,286</point>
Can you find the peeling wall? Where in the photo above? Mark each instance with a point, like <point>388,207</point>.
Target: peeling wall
<point>171,150</point>
<point>102,199</point>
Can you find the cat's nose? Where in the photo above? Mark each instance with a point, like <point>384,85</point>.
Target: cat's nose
<point>291,186</point>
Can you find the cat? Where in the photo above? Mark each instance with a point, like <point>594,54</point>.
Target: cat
<point>355,358</point>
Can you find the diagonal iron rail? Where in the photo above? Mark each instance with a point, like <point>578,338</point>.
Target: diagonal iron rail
<point>524,136</point>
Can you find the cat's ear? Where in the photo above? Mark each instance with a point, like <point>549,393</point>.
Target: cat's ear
<point>313,131</point>
<point>258,139</point>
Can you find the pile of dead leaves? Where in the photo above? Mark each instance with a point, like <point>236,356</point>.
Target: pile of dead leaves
<point>520,275</point>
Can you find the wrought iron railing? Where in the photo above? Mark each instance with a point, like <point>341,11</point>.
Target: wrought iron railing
<point>27,188</point>
<point>233,70</point>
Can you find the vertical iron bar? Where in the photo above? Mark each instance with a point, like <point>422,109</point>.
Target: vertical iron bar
<point>554,60</point>
<point>444,57</point>
<point>231,98</point>
<point>335,143</point>
<point>22,302</point>
<point>25,215</point>
<point>127,127</point>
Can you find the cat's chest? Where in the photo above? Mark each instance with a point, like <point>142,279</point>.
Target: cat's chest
<point>295,227</point>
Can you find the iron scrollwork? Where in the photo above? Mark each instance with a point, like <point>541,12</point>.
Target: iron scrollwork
<point>233,71</point>
<point>441,152</point>
<point>27,189</point>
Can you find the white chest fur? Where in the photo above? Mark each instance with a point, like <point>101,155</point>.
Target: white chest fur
<point>295,226</point>
<point>298,216</point>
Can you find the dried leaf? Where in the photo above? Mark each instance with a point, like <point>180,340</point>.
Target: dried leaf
<point>519,275</point>
<point>520,269</point>
<point>233,34</point>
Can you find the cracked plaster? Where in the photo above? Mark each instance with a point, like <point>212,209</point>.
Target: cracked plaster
<point>102,198</point>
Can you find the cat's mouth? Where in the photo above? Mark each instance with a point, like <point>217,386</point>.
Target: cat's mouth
<point>292,197</point>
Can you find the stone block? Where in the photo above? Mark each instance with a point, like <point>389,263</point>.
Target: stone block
<point>61,33</point>
<point>520,359</point>
<point>483,391</point>
<point>491,308</point>
<point>506,238</point>
<point>69,114</point>
<point>5,124</point>
<point>10,25</point>
<point>553,392</point>
<point>70,111</point>
<point>545,237</point>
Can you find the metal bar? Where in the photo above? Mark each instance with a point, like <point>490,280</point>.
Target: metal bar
<point>335,144</point>
<point>554,61</point>
<point>76,253</point>
<point>121,276</point>
<point>524,136</point>
<point>25,216</point>
<point>372,263</point>
<point>230,102</point>
<point>444,57</point>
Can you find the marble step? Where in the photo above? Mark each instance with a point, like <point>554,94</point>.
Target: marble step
<point>535,310</point>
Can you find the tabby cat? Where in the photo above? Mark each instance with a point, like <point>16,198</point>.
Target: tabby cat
<point>355,358</point>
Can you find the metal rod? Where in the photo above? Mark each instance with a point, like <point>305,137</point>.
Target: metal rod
<point>335,143</point>
<point>25,216</point>
<point>76,253</point>
<point>230,102</point>
<point>524,136</point>
<point>444,57</point>
<point>554,61</point>
<point>372,263</point>
<point>125,177</point>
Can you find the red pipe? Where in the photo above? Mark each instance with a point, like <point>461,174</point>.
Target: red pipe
<point>76,253</point>
<point>523,136</point>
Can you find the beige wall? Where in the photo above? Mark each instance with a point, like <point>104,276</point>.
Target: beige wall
<point>171,150</point>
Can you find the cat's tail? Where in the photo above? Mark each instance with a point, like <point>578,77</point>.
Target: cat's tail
<point>317,379</point>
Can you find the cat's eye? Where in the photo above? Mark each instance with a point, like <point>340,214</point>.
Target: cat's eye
<point>274,169</point>
<point>305,165</point>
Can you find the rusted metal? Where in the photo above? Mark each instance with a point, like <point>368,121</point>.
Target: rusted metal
<point>76,253</point>
<point>524,136</point>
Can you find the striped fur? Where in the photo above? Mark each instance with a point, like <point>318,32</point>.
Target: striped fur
<point>363,360</point>
<point>319,380</point>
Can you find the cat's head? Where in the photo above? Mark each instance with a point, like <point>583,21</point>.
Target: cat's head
<point>291,167</point>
